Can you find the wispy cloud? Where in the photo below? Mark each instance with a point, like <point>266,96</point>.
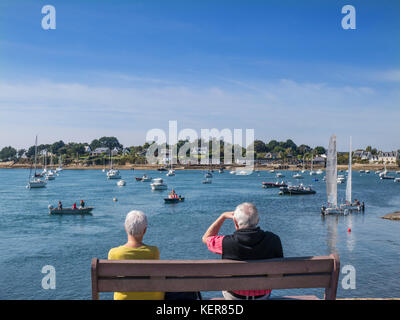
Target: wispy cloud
<point>306,112</point>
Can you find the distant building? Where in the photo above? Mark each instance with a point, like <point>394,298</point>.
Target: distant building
<point>87,149</point>
<point>319,160</point>
<point>271,156</point>
<point>388,157</point>
<point>199,151</point>
<point>115,151</point>
<point>99,151</point>
<point>126,151</point>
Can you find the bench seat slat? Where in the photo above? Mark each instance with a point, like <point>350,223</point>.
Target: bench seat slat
<point>214,284</point>
<point>210,267</point>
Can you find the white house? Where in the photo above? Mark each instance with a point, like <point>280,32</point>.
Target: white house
<point>102,150</point>
<point>388,157</point>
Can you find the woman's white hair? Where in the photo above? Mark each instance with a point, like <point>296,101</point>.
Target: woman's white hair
<point>135,223</point>
<point>246,215</point>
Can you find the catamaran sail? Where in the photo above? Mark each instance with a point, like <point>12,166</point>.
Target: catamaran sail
<point>349,177</point>
<point>331,173</point>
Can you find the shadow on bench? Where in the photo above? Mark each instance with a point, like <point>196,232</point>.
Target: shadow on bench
<point>216,275</point>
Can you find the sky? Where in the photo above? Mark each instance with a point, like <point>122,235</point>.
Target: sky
<point>286,69</point>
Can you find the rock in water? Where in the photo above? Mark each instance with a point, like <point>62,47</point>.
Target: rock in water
<point>392,216</point>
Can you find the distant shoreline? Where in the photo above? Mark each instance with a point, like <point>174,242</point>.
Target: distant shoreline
<point>356,167</point>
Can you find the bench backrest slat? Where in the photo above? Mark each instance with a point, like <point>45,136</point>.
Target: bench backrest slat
<point>212,267</point>
<point>214,275</point>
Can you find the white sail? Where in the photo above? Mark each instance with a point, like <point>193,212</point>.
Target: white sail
<point>349,177</point>
<point>331,173</point>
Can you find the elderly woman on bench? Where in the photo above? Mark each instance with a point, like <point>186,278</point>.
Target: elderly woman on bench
<point>134,248</point>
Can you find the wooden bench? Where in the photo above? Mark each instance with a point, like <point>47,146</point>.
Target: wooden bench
<point>216,275</point>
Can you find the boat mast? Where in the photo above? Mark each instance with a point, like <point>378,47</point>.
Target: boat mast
<point>349,178</point>
<point>35,153</point>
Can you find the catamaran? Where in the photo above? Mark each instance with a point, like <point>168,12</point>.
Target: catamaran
<point>349,206</point>
<point>35,181</point>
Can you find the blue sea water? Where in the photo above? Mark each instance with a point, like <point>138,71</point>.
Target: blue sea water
<point>30,238</point>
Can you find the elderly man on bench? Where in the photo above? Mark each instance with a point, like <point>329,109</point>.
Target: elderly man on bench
<point>248,242</point>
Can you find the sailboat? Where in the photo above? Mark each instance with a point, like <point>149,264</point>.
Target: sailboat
<point>331,179</point>
<point>312,172</point>
<point>35,181</point>
<point>113,173</point>
<point>171,171</point>
<point>60,168</point>
<point>51,175</point>
<point>349,206</point>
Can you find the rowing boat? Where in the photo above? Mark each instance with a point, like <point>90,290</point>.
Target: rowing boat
<point>71,211</point>
<point>174,200</point>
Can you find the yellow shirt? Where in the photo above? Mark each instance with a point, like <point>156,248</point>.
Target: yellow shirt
<point>142,253</point>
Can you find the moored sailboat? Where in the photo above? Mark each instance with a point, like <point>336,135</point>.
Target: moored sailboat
<point>34,181</point>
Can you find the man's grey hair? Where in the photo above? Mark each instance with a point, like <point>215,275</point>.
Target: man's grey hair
<point>135,223</point>
<point>246,215</point>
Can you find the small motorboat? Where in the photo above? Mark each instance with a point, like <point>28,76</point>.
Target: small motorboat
<point>367,171</point>
<point>146,178</point>
<point>319,171</point>
<point>243,173</point>
<point>274,184</point>
<point>298,176</point>
<point>385,177</point>
<point>158,184</point>
<point>280,175</point>
<point>50,175</point>
<point>396,180</point>
<point>296,190</point>
<point>174,200</point>
<point>341,179</point>
<point>315,179</point>
<point>398,172</point>
<point>232,172</point>
<point>171,173</point>
<point>70,211</point>
<point>207,181</point>
<point>138,178</point>
<point>221,170</point>
<point>121,183</point>
<point>272,171</point>
<point>162,169</point>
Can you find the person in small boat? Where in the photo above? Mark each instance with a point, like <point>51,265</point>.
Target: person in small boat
<point>82,204</point>
<point>248,242</point>
<point>356,202</point>
<point>74,206</point>
<point>59,205</point>
<point>172,194</point>
<point>135,249</point>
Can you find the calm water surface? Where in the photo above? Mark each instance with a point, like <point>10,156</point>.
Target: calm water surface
<point>30,238</point>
